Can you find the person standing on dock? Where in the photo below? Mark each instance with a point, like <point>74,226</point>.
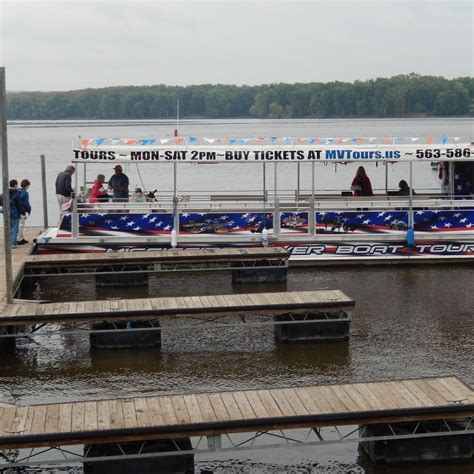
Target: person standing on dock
<point>16,211</point>
<point>119,184</point>
<point>25,200</point>
<point>64,190</point>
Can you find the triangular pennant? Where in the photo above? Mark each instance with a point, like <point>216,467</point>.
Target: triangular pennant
<point>329,140</point>
<point>429,140</point>
<point>371,139</point>
<point>232,141</point>
<point>414,139</point>
<point>192,139</point>
<point>456,139</point>
<point>178,140</point>
<point>99,141</point>
<point>85,142</point>
<point>444,140</point>
<point>387,140</point>
<point>164,140</point>
<point>399,139</point>
<point>130,141</point>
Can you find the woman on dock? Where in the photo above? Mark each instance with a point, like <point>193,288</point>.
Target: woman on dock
<point>361,185</point>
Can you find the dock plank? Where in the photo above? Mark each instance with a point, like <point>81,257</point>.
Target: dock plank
<point>52,419</point>
<point>65,418</point>
<point>205,407</point>
<point>129,415</point>
<point>39,419</point>
<point>168,411</point>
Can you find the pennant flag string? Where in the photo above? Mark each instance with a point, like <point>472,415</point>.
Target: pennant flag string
<point>444,140</point>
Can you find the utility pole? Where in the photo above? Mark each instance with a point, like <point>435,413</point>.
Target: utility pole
<point>6,189</point>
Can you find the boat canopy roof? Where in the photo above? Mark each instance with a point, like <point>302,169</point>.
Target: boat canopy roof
<point>273,150</point>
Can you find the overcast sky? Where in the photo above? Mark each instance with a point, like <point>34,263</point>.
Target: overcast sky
<point>64,45</point>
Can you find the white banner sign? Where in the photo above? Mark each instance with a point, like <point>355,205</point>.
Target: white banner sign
<point>269,153</point>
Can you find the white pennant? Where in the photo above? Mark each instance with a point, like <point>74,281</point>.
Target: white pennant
<point>164,140</point>
<point>209,140</point>
<point>456,139</point>
<point>414,139</point>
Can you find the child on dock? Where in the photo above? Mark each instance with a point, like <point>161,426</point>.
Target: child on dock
<point>25,200</point>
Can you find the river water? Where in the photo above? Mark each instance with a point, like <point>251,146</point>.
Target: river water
<point>409,321</point>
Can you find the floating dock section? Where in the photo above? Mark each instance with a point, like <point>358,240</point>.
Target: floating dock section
<point>314,309</point>
<point>211,420</point>
<point>247,264</point>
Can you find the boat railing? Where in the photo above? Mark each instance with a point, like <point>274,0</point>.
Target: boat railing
<point>267,202</point>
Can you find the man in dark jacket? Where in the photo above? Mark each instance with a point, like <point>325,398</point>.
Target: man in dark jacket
<point>16,210</point>
<point>64,186</point>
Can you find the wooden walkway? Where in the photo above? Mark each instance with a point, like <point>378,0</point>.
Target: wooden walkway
<point>177,416</point>
<point>134,309</point>
<point>19,256</point>
<point>158,256</point>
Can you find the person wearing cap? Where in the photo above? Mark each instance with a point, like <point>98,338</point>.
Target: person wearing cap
<point>119,184</point>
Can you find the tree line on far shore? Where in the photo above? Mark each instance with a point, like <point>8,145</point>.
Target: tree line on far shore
<point>409,95</point>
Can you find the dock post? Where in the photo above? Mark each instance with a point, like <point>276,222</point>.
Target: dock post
<point>312,217</point>
<point>214,442</point>
<point>44,191</point>
<point>6,191</point>
<point>276,209</point>
<point>75,216</point>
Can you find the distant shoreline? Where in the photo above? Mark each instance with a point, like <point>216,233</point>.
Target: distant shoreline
<point>403,96</point>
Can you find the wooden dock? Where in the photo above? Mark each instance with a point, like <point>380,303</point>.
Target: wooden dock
<point>19,257</point>
<point>158,260</point>
<point>204,414</point>
<point>267,304</point>
<point>159,256</point>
